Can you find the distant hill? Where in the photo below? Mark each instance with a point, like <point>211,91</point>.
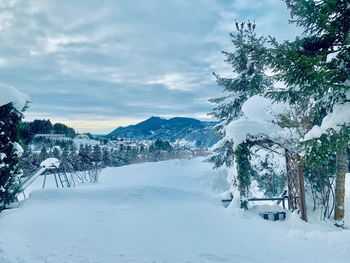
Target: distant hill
<point>175,129</point>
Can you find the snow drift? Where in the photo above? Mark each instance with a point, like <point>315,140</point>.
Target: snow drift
<point>157,212</point>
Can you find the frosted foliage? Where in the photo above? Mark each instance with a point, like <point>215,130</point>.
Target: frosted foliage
<point>332,56</point>
<point>339,117</point>
<point>17,149</point>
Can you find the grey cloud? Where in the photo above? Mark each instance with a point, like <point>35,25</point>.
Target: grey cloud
<point>123,59</point>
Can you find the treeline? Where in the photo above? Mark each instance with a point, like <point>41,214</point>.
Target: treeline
<point>29,129</point>
<point>80,158</point>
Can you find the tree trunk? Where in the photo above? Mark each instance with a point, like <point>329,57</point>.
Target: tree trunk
<point>340,183</point>
<point>291,197</point>
<point>302,199</point>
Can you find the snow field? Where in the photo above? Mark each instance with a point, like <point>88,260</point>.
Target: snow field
<point>157,212</point>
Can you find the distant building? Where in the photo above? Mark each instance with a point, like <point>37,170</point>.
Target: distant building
<point>52,137</point>
<point>82,136</point>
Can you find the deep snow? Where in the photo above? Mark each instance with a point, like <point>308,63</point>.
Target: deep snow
<point>158,212</point>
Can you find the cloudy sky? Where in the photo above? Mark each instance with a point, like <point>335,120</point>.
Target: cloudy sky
<point>99,64</point>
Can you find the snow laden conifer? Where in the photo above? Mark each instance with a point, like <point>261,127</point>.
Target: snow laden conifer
<point>248,79</point>
<point>316,67</point>
<point>12,103</point>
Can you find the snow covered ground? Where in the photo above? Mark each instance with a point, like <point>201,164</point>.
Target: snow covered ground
<point>158,212</point>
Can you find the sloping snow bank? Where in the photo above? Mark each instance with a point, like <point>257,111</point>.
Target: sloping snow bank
<point>157,212</point>
<point>10,94</point>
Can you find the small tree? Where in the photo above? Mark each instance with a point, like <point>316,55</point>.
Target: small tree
<point>248,79</point>
<point>43,154</point>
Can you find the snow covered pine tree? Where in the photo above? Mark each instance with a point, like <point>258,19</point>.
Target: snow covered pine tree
<point>316,67</point>
<point>12,103</point>
<point>250,80</point>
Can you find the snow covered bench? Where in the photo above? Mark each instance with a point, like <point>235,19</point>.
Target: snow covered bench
<point>272,213</point>
<point>227,199</point>
<point>273,216</point>
<point>278,199</point>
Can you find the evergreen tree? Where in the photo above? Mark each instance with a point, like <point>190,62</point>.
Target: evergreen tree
<point>72,161</point>
<point>249,80</point>
<point>60,128</point>
<point>97,153</point>
<point>10,152</point>
<point>316,67</point>
<point>43,154</point>
<point>56,153</point>
<point>85,157</point>
<point>28,162</point>
<point>106,157</point>
<point>65,162</point>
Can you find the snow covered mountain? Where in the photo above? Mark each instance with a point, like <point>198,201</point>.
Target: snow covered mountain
<point>172,130</point>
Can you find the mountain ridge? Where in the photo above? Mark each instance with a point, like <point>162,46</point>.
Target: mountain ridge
<point>173,129</point>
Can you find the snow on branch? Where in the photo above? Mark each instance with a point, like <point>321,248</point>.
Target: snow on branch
<point>10,94</point>
<point>338,118</point>
<point>259,121</point>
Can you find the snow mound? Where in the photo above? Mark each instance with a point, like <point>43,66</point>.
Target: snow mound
<point>50,162</point>
<point>257,209</point>
<point>12,95</point>
<point>259,119</point>
<point>263,109</point>
<point>240,129</point>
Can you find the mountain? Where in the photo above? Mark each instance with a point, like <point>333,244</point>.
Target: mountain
<point>175,129</point>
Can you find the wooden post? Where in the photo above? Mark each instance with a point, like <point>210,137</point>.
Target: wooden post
<point>301,190</point>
